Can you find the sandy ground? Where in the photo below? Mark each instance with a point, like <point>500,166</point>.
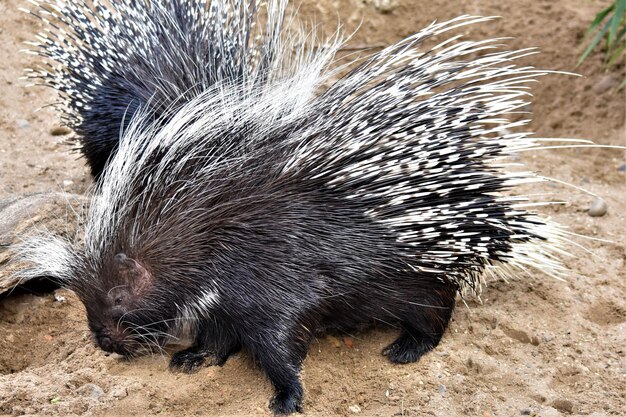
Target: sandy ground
<point>534,346</point>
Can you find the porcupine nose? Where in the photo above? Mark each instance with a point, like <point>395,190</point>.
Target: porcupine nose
<point>111,345</point>
<point>106,343</point>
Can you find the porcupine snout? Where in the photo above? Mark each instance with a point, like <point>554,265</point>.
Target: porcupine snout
<point>106,343</point>
<point>113,341</point>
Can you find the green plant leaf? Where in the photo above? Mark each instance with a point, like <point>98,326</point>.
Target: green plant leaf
<point>618,16</point>
<point>594,42</point>
<point>599,18</point>
<point>616,54</point>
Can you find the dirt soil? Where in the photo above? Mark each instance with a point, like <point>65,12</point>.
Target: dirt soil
<point>534,346</point>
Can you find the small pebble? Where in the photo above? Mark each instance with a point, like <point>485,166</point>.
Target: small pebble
<point>60,131</point>
<point>67,183</point>
<point>622,168</point>
<point>598,208</point>
<point>386,6</point>
<point>442,389</point>
<point>119,392</point>
<point>23,123</point>
<point>565,406</point>
<point>604,84</point>
<point>354,409</point>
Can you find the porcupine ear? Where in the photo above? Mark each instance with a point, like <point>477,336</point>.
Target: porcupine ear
<point>132,273</point>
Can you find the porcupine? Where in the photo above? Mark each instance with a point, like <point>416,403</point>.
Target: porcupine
<point>109,61</point>
<point>378,200</point>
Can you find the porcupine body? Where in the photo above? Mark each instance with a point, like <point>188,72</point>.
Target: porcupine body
<point>110,60</point>
<point>376,201</point>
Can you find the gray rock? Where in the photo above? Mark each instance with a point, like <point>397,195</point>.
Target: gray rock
<point>91,390</point>
<point>23,123</point>
<point>24,215</point>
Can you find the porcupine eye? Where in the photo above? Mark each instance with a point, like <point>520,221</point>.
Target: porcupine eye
<point>118,302</point>
<point>118,295</point>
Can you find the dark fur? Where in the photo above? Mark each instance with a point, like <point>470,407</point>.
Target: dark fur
<point>286,263</point>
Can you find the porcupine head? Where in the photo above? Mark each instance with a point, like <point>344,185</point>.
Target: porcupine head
<point>127,283</point>
<point>115,288</point>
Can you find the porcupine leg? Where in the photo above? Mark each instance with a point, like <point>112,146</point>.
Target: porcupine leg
<point>213,342</point>
<point>422,330</point>
<point>280,355</point>
<point>286,381</point>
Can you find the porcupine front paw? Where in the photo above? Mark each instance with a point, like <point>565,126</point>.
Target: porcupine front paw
<point>187,361</point>
<point>407,349</point>
<point>287,402</point>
